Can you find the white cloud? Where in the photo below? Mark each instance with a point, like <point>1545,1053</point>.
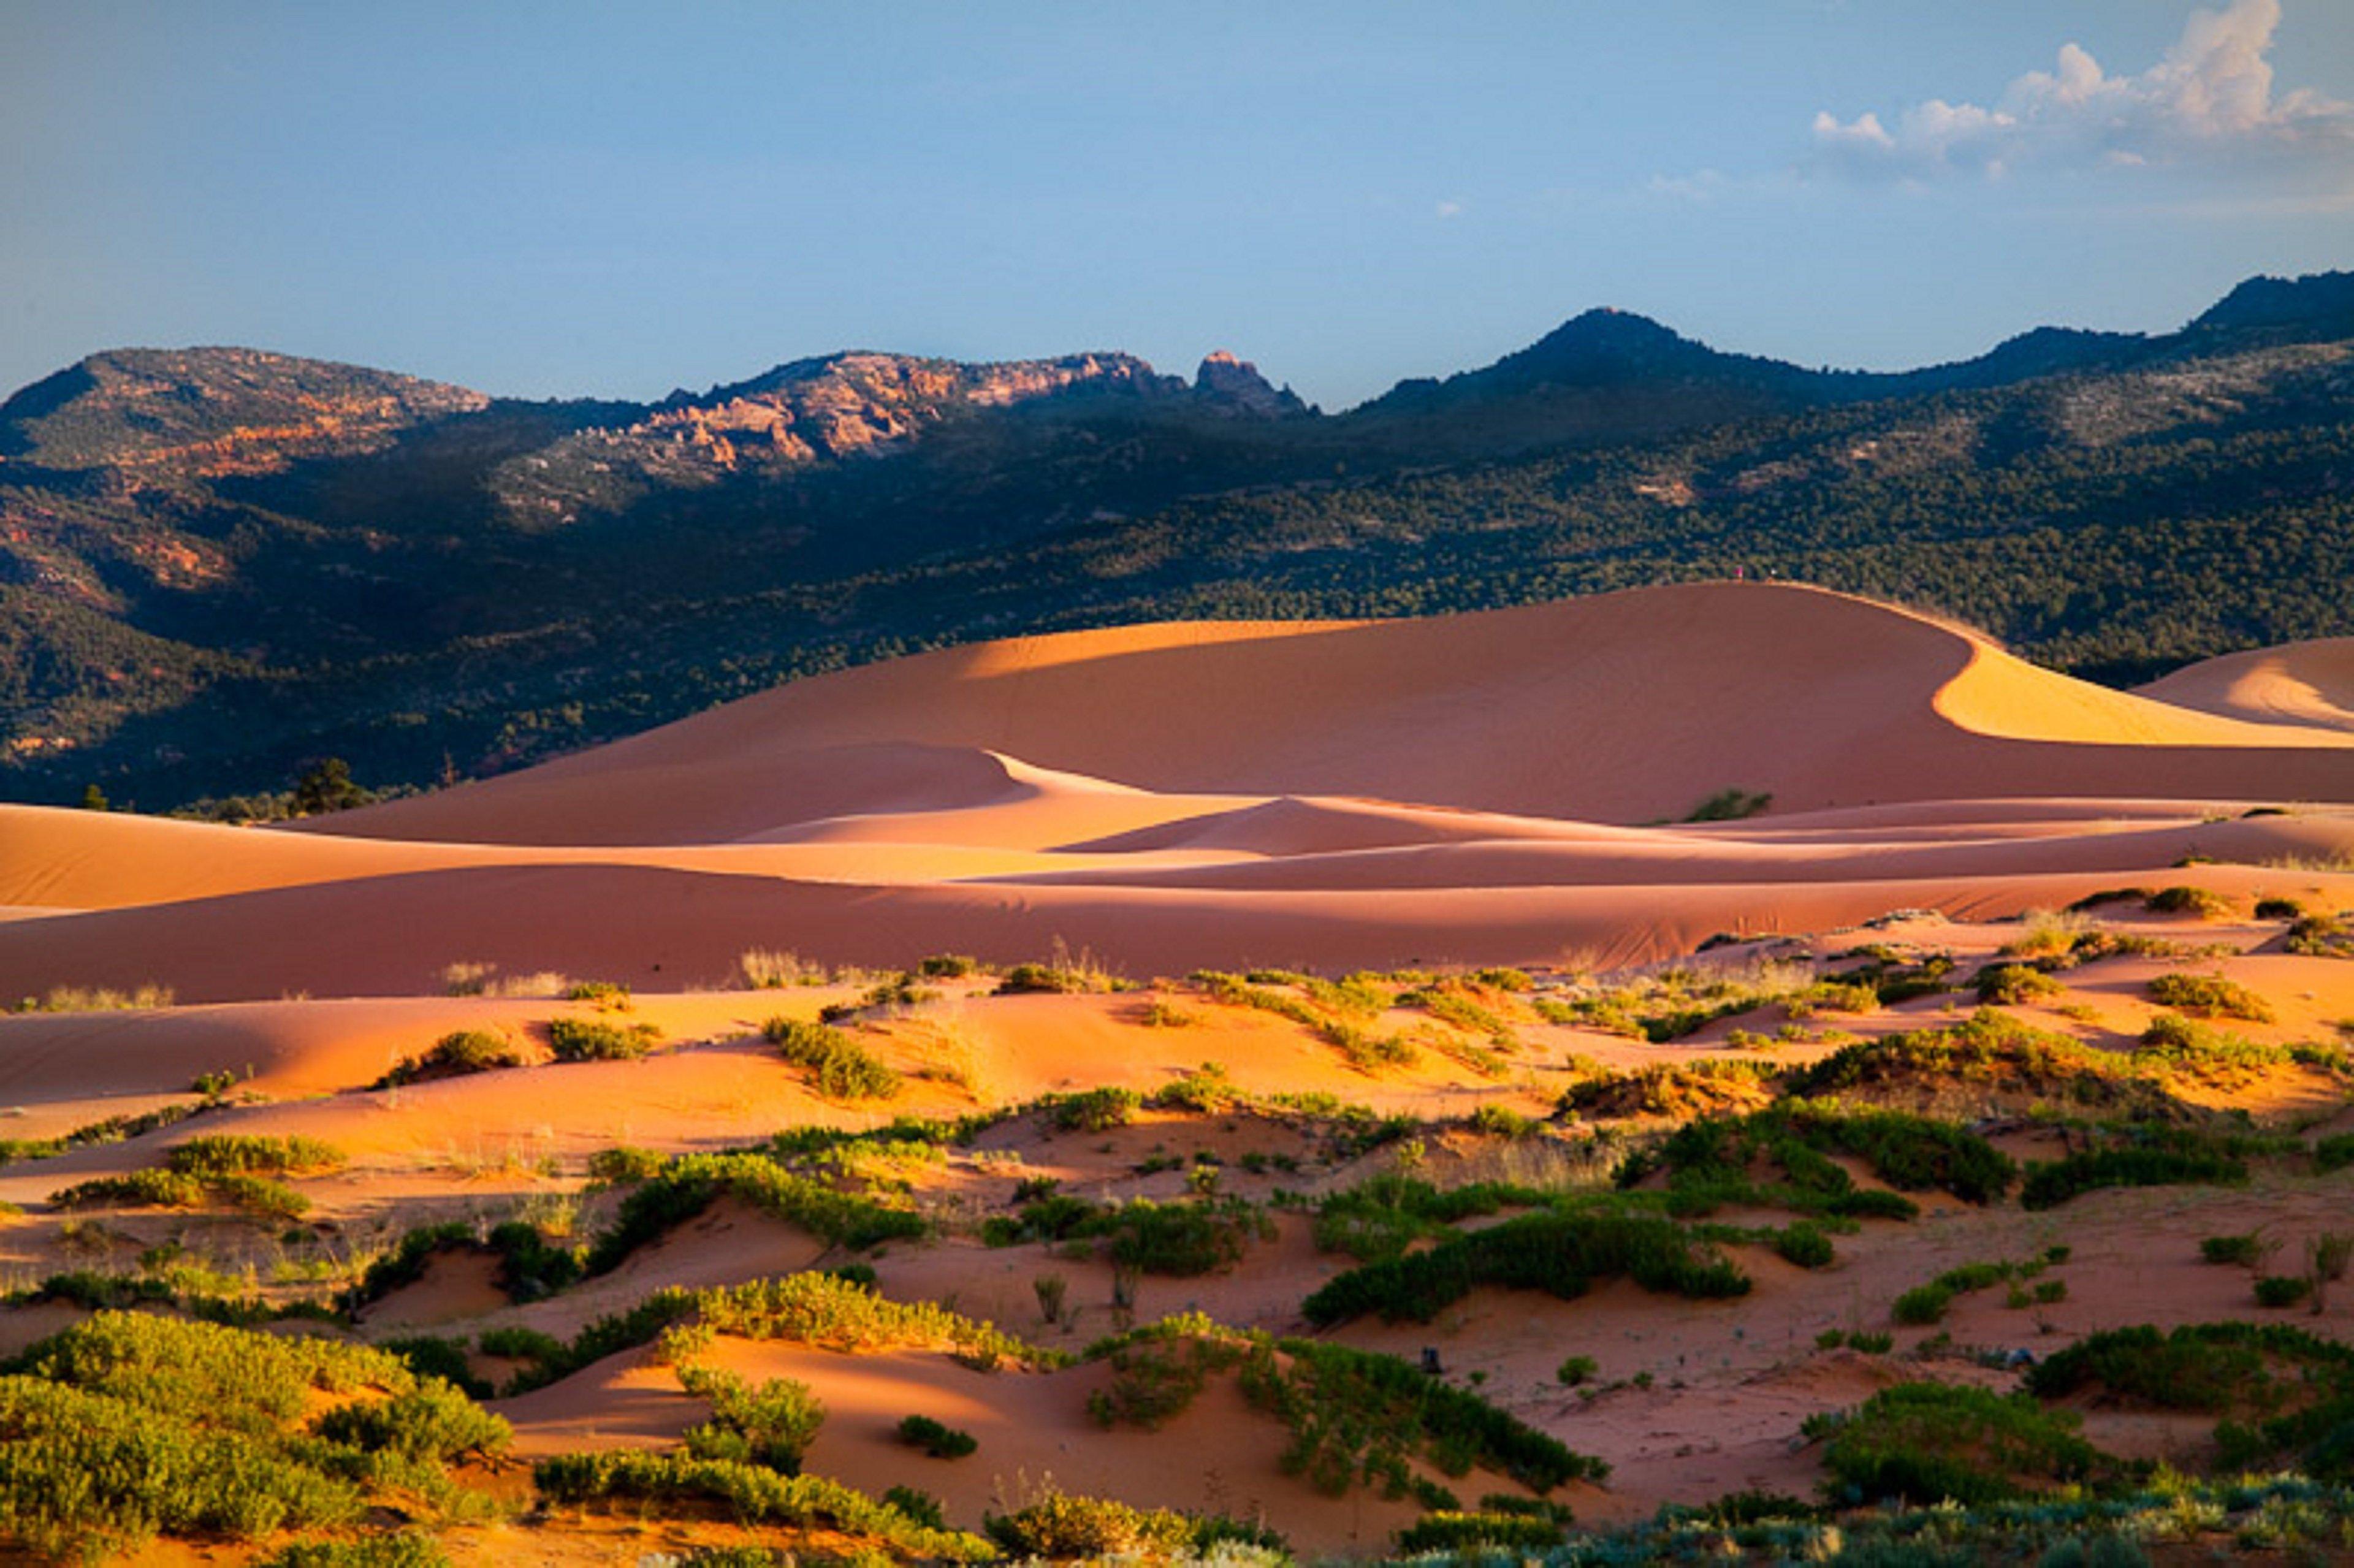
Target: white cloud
<point>2209,102</point>
<point>1449,209</point>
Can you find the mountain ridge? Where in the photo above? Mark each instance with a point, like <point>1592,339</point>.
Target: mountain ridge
<point>216,562</point>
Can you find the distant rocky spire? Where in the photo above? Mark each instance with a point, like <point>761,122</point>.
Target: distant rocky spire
<point>1235,385</point>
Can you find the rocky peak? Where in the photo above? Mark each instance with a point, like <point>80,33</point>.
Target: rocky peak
<point>207,412</point>
<point>1234,385</point>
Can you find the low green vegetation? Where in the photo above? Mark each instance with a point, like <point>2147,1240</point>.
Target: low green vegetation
<point>1562,1253</point>
<point>2279,1395</point>
<point>455,1055</point>
<point>1783,1157</point>
<point>752,1495</point>
<point>259,1197</point>
<point>600,1039</point>
<point>131,1425</point>
<point>1933,1443</point>
<point>2209,996</point>
<point>2140,1155</point>
<point>937,1438</point>
<point>689,1184</point>
<point>1927,1303</point>
<point>836,1066</point>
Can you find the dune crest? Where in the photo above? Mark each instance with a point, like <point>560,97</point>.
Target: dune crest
<point>2309,684</point>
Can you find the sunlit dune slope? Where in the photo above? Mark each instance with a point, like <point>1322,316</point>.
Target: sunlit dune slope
<point>1622,707</point>
<point>2305,683</point>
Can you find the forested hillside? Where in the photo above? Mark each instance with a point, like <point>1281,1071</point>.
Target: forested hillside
<point>216,565</point>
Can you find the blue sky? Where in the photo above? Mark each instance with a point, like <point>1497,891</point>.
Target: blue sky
<point>613,200</point>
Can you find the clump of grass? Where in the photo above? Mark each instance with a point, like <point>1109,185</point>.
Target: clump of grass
<point>97,999</point>
<point>2013,985</point>
<point>2320,936</point>
<point>2157,1158</point>
<point>600,1040</point>
<point>836,1066</point>
<point>690,1183</point>
<point>2184,899</point>
<point>1557,1252</point>
<point>753,1495</point>
<point>455,1055</point>
<point>2047,934</point>
<point>213,1155</point>
<point>1094,1111</point>
<point>762,969</point>
<point>1730,805</point>
<point>1063,972</point>
<point>257,1195</point>
<point>1928,1442</point>
<point>1207,1090</point>
<point>2210,996</point>
<point>131,1424</point>
<point>937,1438</point>
<point>2244,1250</point>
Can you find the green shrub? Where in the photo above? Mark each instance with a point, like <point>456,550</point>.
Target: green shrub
<point>2210,996</point>
<point>937,1438</point>
<point>1456,1531</point>
<point>1712,1161</point>
<point>1805,1245</point>
<point>752,1495</point>
<point>771,1424</point>
<point>2244,1249</point>
<point>1059,1527</point>
<point>624,1165</point>
<point>405,1549</point>
<point>455,1055</point>
<point>1095,1110</point>
<point>1356,1416</point>
<point>430,1355</point>
<point>690,1183</point>
<point>1561,1252</point>
<point>837,1065</point>
<point>1182,1239</point>
<point>600,1040</point>
<point>2282,1289</point>
<point>1448,1531</point>
<point>1922,1305</point>
<point>2188,900</point>
<point>177,1189</point>
<point>2321,936</point>
<point>1156,1377</point>
<point>1730,805</point>
<point>2051,1184</point>
<point>2333,1154</point>
<point>2012,985</point>
<point>1577,1370</point>
<point>242,1154</point>
<point>431,1421</point>
<point>1928,1442</point>
<point>129,1425</point>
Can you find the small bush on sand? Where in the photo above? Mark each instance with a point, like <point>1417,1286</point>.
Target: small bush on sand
<point>1928,1442</point>
<point>599,1040</point>
<point>937,1438</point>
<point>456,1053</point>
<point>1730,805</point>
<point>836,1066</point>
<point>1094,1110</point>
<point>2210,996</point>
<point>2188,900</point>
<point>2012,985</point>
<point>236,1154</point>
